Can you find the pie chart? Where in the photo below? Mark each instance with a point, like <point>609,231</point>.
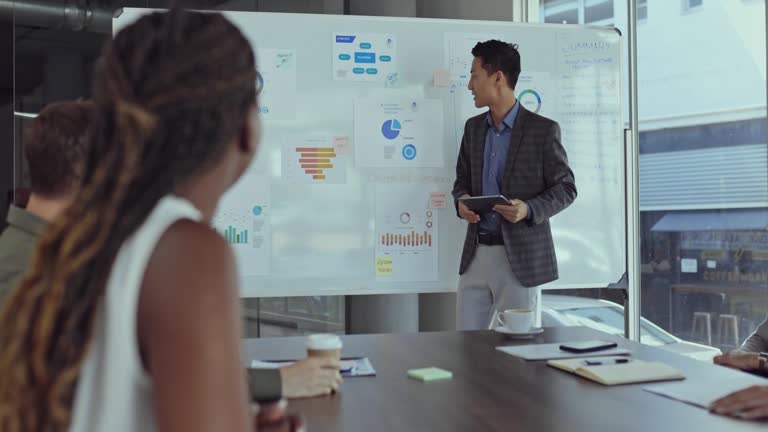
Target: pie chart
<point>531,99</point>
<point>390,129</point>
<point>259,83</point>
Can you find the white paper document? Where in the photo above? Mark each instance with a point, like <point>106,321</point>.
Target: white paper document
<point>370,57</point>
<point>463,108</point>
<point>702,393</point>
<point>458,52</point>
<point>260,364</point>
<point>553,351</point>
<point>399,133</point>
<point>276,83</point>
<point>356,367</point>
<point>406,234</point>
<point>312,159</point>
<point>534,91</point>
<point>243,219</point>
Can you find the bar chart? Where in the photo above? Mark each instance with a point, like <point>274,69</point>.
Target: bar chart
<point>406,236</point>
<point>315,160</point>
<point>312,160</point>
<point>243,219</point>
<point>412,239</point>
<point>235,236</point>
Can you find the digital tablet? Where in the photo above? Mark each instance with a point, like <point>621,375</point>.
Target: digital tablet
<point>483,204</point>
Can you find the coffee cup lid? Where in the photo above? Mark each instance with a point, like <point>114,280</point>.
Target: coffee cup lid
<point>323,341</point>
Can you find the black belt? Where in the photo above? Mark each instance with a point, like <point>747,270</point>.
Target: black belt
<point>490,239</point>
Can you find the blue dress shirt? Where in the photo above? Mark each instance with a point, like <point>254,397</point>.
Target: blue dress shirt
<point>497,141</point>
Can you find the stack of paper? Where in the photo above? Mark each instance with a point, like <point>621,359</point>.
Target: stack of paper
<point>703,393</point>
<point>349,367</point>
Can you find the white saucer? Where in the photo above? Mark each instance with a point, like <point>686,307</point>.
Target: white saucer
<point>530,333</point>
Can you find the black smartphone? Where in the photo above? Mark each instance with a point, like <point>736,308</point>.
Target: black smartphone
<point>587,346</point>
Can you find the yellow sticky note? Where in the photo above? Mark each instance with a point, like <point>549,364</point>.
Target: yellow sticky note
<point>384,266</point>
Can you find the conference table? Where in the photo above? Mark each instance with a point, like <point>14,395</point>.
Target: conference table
<point>491,390</point>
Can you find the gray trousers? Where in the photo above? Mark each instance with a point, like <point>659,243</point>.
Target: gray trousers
<point>489,286</point>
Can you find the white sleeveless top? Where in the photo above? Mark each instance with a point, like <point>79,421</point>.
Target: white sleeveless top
<point>114,392</point>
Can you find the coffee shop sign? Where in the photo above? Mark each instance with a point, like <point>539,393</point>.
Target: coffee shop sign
<point>732,276</point>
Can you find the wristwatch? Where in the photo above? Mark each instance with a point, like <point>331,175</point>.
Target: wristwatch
<point>761,359</point>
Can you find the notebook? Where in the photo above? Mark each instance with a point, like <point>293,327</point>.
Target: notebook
<point>608,370</point>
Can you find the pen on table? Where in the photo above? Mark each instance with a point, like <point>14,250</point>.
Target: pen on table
<point>601,362</point>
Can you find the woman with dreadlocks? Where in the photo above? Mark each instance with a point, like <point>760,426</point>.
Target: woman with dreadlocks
<point>128,317</point>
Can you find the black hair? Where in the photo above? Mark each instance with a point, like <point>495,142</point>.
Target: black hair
<point>496,55</point>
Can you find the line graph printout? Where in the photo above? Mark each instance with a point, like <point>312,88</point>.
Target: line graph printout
<point>276,83</point>
<point>458,53</point>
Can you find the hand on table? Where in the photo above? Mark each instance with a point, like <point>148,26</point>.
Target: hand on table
<point>743,361</point>
<point>749,404</point>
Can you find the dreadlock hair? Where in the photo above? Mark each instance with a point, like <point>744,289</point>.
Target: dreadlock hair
<point>171,91</point>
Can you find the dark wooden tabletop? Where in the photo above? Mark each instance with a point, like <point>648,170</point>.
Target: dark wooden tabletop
<point>490,390</point>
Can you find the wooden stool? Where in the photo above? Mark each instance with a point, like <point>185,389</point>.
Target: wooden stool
<point>701,329</point>
<point>728,326</point>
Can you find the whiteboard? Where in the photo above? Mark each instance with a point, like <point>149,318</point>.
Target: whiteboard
<point>362,119</point>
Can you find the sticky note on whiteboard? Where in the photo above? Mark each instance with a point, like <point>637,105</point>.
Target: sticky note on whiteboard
<point>438,200</point>
<point>383,266</point>
<point>341,145</point>
<point>441,78</point>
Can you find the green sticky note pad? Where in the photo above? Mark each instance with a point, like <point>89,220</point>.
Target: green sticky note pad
<point>429,374</point>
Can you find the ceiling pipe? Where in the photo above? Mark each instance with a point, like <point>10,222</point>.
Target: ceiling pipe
<point>74,15</point>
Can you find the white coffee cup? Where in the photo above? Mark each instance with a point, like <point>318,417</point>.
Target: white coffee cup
<point>324,345</point>
<point>516,320</point>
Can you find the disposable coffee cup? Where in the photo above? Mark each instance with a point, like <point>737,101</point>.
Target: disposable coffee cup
<point>324,345</point>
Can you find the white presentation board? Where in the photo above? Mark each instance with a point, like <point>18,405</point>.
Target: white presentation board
<point>362,119</point>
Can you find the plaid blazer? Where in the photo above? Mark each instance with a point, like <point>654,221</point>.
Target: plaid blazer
<point>537,172</point>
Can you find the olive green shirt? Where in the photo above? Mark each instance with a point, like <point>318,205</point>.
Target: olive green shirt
<point>758,341</point>
<point>17,244</point>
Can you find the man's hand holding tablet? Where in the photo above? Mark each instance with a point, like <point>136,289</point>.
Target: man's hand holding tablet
<point>482,204</point>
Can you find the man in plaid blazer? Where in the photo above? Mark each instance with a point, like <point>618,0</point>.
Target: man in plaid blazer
<point>510,151</point>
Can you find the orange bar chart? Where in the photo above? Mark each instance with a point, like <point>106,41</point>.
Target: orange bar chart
<point>315,160</point>
<point>412,239</point>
